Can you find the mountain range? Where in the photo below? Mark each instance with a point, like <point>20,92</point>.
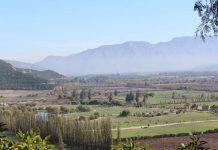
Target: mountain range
<point>179,54</point>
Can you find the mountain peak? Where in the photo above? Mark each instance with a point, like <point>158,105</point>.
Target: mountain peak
<point>179,54</point>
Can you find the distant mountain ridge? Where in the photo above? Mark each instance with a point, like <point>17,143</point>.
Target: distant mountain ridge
<point>23,65</point>
<point>179,54</point>
<point>206,68</point>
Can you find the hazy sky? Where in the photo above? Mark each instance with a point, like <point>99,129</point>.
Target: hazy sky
<point>32,29</point>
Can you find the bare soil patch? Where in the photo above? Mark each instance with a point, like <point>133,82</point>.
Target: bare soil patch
<point>171,143</point>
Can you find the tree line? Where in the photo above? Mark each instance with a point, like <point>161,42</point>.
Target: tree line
<point>84,134</point>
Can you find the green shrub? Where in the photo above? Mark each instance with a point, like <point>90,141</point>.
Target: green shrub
<point>82,118</point>
<point>82,108</point>
<point>125,113</point>
<point>194,144</point>
<point>27,141</point>
<point>53,110</point>
<point>64,110</point>
<point>132,146</point>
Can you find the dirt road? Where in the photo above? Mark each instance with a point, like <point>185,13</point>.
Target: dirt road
<point>164,125</point>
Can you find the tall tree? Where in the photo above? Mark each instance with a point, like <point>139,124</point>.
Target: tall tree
<point>137,96</point>
<point>82,94</point>
<point>173,95</point>
<point>110,97</point>
<point>130,97</point>
<point>115,92</point>
<point>145,97</point>
<point>90,94</point>
<point>74,93</point>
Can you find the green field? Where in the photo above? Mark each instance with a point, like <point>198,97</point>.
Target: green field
<point>172,118</point>
<point>160,99</point>
<point>166,95</point>
<point>174,129</point>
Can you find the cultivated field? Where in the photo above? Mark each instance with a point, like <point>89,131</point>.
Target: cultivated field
<point>134,109</point>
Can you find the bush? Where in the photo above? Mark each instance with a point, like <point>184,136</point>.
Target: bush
<point>117,103</point>
<point>205,107</point>
<point>125,113</point>
<point>27,141</point>
<point>178,111</point>
<point>132,146</point>
<point>91,117</point>
<point>82,118</point>
<point>74,103</point>
<point>82,108</point>
<point>194,144</point>
<point>95,102</point>
<point>95,116</point>
<point>53,110</point>
<point>64,110</point>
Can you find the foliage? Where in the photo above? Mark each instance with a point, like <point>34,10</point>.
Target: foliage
<point>194,144</point>
<point>31,141</point>
<point>125,113</point>
<point>64,110</point>
<point>2,128</point>
<point>82,108</point>
<point>53,110</point>
<point>137,97</point>
<point>118,132</point>
<point>205,107</point>
<point>90,94</point>
<point>208,12</point>
<point>82,94</point>
<point>46,74</point>
<point>214,108</point>
<point>115,92</point>
<point>130,97</point>
<point>110,97</point>
<point>27,141</point>
<point>81,134</point>
<point>132,146</point>
<point>10,78</point>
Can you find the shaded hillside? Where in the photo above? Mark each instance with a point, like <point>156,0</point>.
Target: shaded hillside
<point>46,74</point>
<point>10,78</point>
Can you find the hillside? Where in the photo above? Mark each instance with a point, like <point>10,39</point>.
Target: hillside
<point>10,78</point>
<point>179,54</point>
<point>46,74</point>
<point>23,65</point>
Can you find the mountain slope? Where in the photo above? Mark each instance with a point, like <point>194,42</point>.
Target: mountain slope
<point>10,78</point>
<point>179,54</point>
<point>46,74</point>
<point>23,65</point>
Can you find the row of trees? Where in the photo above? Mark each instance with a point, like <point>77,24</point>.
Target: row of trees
<point>131,97</point>
<point>80,134</point>
<point>83,94</point>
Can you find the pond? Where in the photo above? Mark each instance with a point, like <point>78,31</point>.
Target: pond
<point>42,114</point>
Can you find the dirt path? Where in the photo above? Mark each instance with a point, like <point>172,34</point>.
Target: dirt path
<point>164,125</point>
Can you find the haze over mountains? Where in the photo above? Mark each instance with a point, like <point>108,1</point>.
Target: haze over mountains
<point>179,54</point>
<point>24,65</point>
